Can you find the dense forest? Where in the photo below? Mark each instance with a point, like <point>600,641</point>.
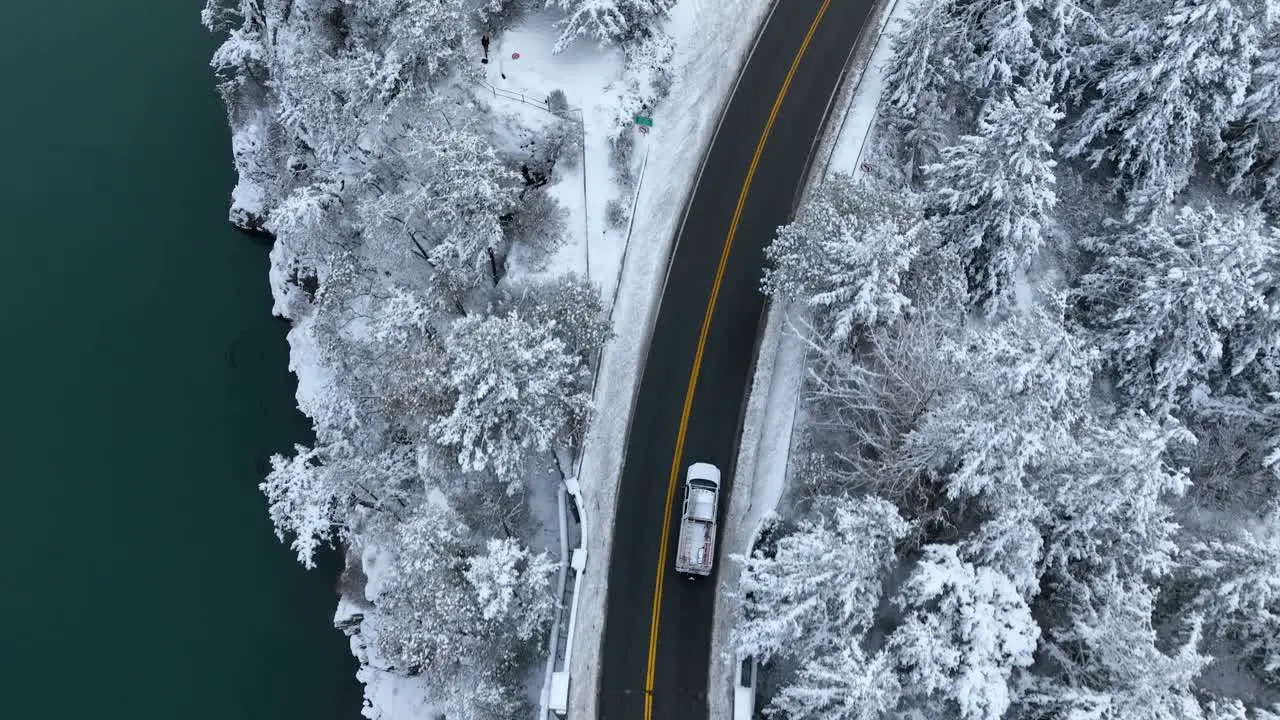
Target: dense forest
<point>1037,476</point>
<point>445,390</point>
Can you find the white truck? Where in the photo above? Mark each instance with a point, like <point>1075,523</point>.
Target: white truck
<point>696,552</point>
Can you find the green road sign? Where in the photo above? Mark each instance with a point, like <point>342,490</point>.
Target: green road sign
<point>642,120</point>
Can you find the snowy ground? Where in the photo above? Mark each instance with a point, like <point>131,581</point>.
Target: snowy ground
<point>712,38</point>
<point>773,406</point>
<point>519,86</point>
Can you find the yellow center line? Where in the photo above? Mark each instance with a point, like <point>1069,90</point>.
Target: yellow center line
<point>697,359</point>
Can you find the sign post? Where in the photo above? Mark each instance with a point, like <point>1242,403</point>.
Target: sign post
<point>642,121</point>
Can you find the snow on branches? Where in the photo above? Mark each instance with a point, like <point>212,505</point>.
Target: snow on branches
<point>515,387</point>
<point>607,21</point>
<point>845,255</point>
<point>1170,77</point>
<point>993,192</point>
<point>823,583</point>
<point>967,631</point>
<point>1182,302</point>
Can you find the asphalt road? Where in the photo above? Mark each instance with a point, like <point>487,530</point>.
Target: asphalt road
<point>676,679</point>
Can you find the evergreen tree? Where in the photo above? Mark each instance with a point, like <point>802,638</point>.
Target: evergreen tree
<point>607,21</point>
<point>1241,587</point>
<point>1171,76</point>
<point>993,192</point>
<point>1113,499</point>
<point>822,585</point>
<point>1183,302</point>
<point>841,685</point>
<point>1109,660</point>
<point>966,633</point>
<point>846,254</point>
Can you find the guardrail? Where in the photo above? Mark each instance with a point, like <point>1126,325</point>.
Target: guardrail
<point>558,688</point>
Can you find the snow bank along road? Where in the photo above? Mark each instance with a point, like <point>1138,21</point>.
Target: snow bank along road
<point>657,643</point>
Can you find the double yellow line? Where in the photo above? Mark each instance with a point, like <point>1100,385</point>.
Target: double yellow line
<point>673,480</point>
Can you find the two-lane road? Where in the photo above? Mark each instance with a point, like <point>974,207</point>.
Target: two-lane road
<point>657,645</point>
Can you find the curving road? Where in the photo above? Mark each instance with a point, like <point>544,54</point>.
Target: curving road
<point>657,644</point>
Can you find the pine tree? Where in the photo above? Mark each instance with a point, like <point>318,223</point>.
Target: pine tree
<point>846,254</point>
<point>951,51</point>
<point>966,633</point>
<point>1171,76</point>
<point>841,685</point>
<point>607,21</point>
<point>1248,152</point>
<point>1112,499</point>
<point>1183,302</point>
<point>822,585</point>
<point>1108,655</point>
<point>929,56</point>
<point>1241,587</point>
<point>993,193</point>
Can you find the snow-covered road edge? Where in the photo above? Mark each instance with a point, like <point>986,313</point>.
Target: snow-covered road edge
<point>774,398</point>
<point>684,126</point>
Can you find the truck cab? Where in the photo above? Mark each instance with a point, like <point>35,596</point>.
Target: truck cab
<point>696,550</point>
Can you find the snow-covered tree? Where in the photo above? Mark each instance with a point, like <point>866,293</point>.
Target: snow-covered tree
<point>570,305</point>
<point>1109,658</point>
<point>1010,541</point>
<point>1241,587</point>
<point>1015,414</point>
<point>822,585</point>
<point>1225,709</point>
<point>513,587</point>
<point>1249,149</point>
<point>978,49</point>
<point>873,401</point>
<point>308,221</point>
<point>607,21</point>
<point>301,497</point>
<point>1112,499</point>
<point>841,685</point>
<point>646,78</point>
<point>993,192</point>
<point>412,36</point>
<point>428,616</point>
<point>312,494</point>
<point>402,350</point>
<point>1171,76</point>
<point>966,633</point>
<point>515,388</point>
<point>1185,301</point>
<point>929,57</point>
<point>846,253</point>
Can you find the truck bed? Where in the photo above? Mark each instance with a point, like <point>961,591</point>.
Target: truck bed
<point>696,552</point>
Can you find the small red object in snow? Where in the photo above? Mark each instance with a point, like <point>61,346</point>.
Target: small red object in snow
<point>867,167</point>
<point>515,56</point>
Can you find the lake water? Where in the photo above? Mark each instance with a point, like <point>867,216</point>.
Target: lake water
<point>144,384</point>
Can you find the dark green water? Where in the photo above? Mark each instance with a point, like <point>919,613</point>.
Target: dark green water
<point>143,384</point>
